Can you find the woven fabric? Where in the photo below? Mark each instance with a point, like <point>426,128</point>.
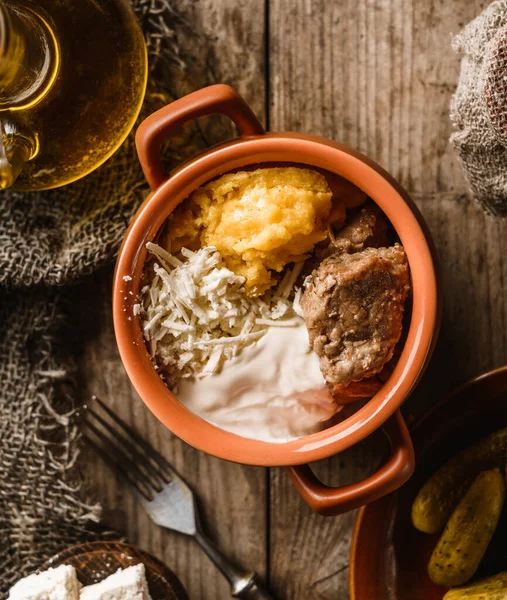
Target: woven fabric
<point>479,107</point>
<point>39,504</point>
<point>49,239</point>
<point>54,236</point>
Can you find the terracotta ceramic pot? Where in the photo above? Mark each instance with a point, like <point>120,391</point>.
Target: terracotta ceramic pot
<point>388,556</point>
<point>254,146</point>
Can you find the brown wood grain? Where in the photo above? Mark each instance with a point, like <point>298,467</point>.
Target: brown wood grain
<point>377,75</point>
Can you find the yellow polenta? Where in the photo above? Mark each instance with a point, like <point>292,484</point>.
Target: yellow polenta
<point>259,220</point>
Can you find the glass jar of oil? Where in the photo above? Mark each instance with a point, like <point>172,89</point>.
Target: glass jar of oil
<point>72,81</point>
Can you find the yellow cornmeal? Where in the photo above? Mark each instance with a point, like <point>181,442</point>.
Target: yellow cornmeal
<point>259,220</point>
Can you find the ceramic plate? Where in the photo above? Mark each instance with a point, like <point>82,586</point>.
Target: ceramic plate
<point>96,560</point>
<point>388,556</point>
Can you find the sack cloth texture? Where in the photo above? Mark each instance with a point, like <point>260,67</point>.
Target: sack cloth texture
<point>49,240</point>
<point>479,107</point>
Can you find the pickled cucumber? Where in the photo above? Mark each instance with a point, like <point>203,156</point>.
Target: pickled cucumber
<point>493,588</point>
<point>441,493</point>
<point>468,532</point>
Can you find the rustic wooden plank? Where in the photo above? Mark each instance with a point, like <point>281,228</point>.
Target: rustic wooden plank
<point>378,75</point>
<point>472,256</point>
<point>222,41</point>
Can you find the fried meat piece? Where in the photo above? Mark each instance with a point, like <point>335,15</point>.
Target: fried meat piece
<point>353,309</point>
<point>366,229</point>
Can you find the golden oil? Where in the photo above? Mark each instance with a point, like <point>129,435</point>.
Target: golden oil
<point>72,81</point>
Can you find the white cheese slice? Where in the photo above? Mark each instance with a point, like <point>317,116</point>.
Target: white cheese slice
<point>54,584</point>
<point>125,584</point>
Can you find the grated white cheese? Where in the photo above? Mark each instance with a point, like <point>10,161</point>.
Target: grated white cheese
<point>289,279</point>
<point>162,254</point>
<point>195,313</point>
<point>296,303</point>
<point>280,323</point>
<point>236,339</point>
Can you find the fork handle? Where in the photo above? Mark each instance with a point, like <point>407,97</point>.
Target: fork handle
<point>254,592</point>
<point>244,584</point>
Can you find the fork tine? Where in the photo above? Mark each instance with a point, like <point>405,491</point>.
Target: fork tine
<point>145,464</point>
<point>162,462</point>
<point>116,466</point>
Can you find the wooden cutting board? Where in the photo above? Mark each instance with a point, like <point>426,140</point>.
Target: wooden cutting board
<point>97,560</point>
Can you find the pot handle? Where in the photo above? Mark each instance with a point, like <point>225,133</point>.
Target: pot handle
<point>389,477</point>
<point>215,99</point>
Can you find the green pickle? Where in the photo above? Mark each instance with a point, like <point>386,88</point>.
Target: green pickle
<point>492,588</point>
<point>441,493</point>
<point>468,531</point>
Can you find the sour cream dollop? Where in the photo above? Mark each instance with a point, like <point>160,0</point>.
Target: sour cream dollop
<point>272,391</point>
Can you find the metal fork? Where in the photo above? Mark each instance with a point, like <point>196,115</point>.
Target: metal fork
<point>165,496</point>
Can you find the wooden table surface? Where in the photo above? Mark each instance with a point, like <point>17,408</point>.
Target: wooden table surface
<point>377,75</point>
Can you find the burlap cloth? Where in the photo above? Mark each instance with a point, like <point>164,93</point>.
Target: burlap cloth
<point>47,241</point>
<point>479,107</point>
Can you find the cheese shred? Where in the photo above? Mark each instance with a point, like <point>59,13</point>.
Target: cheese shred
<point>195,313</point>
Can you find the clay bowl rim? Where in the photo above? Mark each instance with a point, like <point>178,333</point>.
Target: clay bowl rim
<point>275,148</point>
<point>487,378</point>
